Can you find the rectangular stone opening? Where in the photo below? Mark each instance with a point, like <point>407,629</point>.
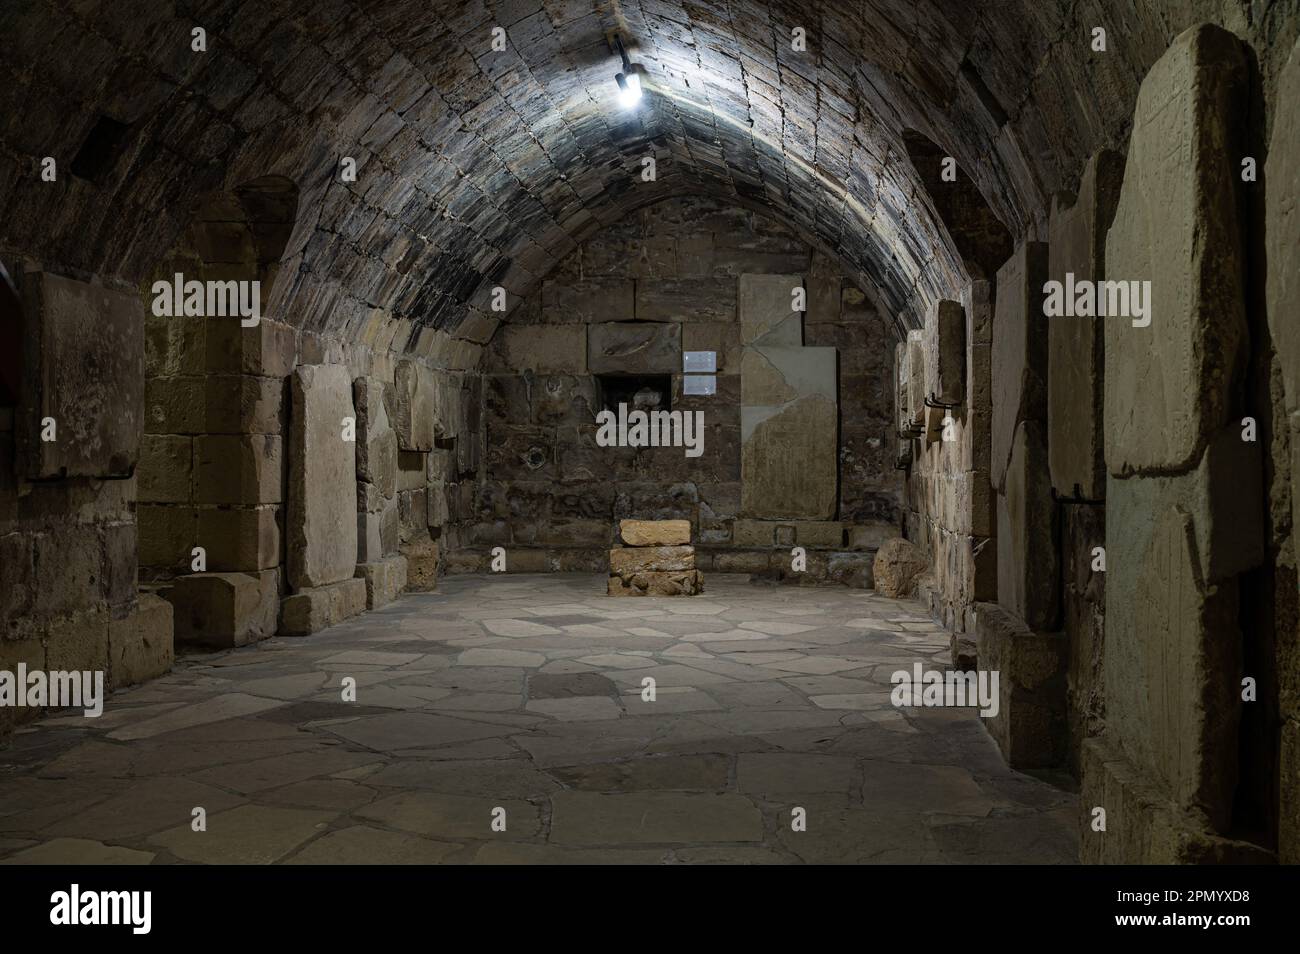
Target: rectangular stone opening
<point>638,391</point>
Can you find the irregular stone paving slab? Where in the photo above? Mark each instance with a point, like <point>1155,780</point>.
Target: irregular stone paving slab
<point>250,834</point>
<point>410,773</point>
<point>361,844</point>
<point>586,818</point>
<point>78,851</point>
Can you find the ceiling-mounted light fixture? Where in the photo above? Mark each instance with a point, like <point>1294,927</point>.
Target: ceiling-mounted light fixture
<point>629,84</point>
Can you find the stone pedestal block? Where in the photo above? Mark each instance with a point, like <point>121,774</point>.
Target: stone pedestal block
<point>385,580</point>
<point>321,530</point>
<point>318,607</point>
<point>654,533</point>
<point>223,610</point>
<point>1142,827</point>
<point>1030,725</point>
<point>141,646</point>
<point>788,533</point>
<point>629,560</point>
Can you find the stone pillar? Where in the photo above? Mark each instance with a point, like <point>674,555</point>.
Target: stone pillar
<point>378,563</point>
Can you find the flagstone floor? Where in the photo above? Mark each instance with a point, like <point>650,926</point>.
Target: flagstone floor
<point>524,694</point>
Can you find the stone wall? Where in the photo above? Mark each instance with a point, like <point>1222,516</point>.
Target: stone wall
<point>676,277</point>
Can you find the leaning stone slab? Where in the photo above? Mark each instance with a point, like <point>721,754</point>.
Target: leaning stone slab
<point>319,607</point>
<point>654,533</point>
<point>1076,345</point>
<point>1030,725</point>
<point>1019,355</point>
<point>628,560</point>
<point>1177,227</point>
<point>650,583</point>
<point>321,528</point>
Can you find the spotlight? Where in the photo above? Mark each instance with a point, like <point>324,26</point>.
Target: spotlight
<point>629,89</point>
<point>629,84</point>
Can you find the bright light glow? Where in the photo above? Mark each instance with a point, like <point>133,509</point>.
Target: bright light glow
<point>629,89</point>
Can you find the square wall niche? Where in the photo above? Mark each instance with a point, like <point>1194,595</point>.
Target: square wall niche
<point>645,392</point>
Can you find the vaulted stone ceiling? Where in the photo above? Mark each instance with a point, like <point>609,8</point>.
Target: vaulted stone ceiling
<point>478,167</point>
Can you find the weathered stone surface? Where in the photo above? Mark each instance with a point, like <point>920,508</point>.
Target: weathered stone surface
<point>1019,355</point>
<point>385,580</point>
<point>376,439</point>
<point>268,348</point>
<point>140,647</point>
<point>945,352</point>
<point>629,560</point>
<point>558,349</point>
<point>654,533</point>
<point>84,369</point>
<point>805,533</point>
<point>221,610</point>
<point>1030,725</point>
<point>318,607</point>
<point>1077,246</point>
<point>765,307</point>
<point>1028,560</point>
<point>243,404</point>
<point>789,434</point>
<point>321,529</point>
<point>1180,183</point>
<point>166,471</point>
<point>634,348</point>
<point>655,583</point>
<point>238,539</point>
<point>1281,225</point>
<point>1142,826</point>
<point>238,469</point>
<point>897,564</point>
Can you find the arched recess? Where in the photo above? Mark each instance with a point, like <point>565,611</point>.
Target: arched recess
<point>212,463</point>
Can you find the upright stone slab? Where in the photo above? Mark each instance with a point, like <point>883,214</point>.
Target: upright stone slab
<point>634,348</point>
<point>1184,493</point>
<point>84,371</point>
<point>321,529</point>
<point>789,433</point>
<point>766,308</point>
<point>945,352</point>
<point>916,382</point>
<point>1027,553</point>
<point>1177,226</point>
<point>419,416</point>
<point>1281,226</point>
<point>1019,350</point>
<point>1077,252</point>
